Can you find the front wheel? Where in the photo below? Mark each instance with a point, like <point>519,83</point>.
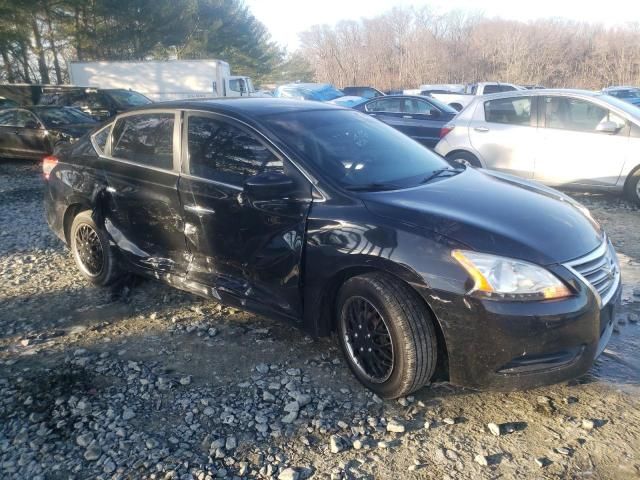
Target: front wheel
<point>91,251</point>
<point>387,335</point>
<point>632,188</point>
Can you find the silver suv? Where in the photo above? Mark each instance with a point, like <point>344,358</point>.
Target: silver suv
<point>557,137</point>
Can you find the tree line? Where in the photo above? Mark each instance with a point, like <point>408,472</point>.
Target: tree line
<point>407,47</point>
<point>38,37</point>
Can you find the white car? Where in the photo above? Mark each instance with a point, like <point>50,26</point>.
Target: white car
<point>557,137</point>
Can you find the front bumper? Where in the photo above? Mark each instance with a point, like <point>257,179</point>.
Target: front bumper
<point>517,345</point>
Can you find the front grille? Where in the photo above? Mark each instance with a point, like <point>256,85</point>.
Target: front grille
<point>599,270</point>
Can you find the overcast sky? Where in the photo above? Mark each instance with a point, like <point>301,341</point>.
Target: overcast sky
<point>286,18</point>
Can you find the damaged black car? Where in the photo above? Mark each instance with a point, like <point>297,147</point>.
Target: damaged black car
<point>324,217</point>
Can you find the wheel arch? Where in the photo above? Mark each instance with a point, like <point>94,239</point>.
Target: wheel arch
<point>468,152</point>
<point>627,180</point>
<point>325,320</point>
<point>70,213</point>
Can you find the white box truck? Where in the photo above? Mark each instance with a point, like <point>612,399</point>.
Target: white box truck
<point>162,80</point>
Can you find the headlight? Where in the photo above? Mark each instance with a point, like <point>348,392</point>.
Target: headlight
<point>509,279</point>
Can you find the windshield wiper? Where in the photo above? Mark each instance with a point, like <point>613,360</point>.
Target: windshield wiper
<point>440,171</point>
<point>372,187</point>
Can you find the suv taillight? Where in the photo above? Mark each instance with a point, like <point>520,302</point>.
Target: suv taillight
<point>48,163</point>
<point>444,131</point>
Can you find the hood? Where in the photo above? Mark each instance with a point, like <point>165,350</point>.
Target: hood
<point>75,130</point>
<point>347,101</point>
<point>495,213</point>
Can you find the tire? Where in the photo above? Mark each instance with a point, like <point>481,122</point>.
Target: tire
<point>408,324</point>
<point>465,158</point>
<point>632,187</point>
<point>87,238</point>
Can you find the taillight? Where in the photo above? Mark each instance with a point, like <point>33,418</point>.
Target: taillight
<point>444,131</point>
<point>48,163</point>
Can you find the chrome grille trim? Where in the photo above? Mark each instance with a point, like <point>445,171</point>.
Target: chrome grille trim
<point>598,270</point>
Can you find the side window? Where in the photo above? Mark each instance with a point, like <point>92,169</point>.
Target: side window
<point>411,105</point>
<point>506,88</point>
<point>96,101</point>
<point>514,111</point>
<point>100,139</point>
<point>146,138</point>
<point>391,105</point>
<point>8,118</point>
<point>567,113</point>
<point>24,119</point>
<point>225,153</point>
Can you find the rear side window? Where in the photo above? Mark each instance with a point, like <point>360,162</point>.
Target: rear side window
<point>146,138</point>
<point>226,153</point>
<point>514,111</point>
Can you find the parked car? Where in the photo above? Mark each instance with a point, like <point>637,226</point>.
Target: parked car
<point>321,92</point>
<point>332,220</point>
<point>460,100</point>
<point>420,118</point>
<point>100,104</point>
<point>364,92</point>
<point>628,94</point>
<point>33,132</point>
<point>557,137</point>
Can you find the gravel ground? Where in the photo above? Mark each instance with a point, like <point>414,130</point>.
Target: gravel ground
<point>144,381</point>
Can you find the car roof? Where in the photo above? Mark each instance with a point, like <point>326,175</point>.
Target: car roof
<point>308,86</point>
<point>245,106</point>
<point>542,92</point>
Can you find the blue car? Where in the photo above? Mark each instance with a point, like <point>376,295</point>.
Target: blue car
<point>417,116</point>
<point>320,92</point>
<point>628,94</point>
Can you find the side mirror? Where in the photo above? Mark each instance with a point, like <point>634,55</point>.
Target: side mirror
<point>608,127</point>
<point>269,186</point>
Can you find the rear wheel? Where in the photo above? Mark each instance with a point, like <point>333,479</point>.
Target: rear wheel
<point>91,251</point>
<point>387,335</point>
<point>632,188</point>
<point>464,158</point>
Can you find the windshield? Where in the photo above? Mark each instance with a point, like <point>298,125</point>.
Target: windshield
<point>354,150</point>
<point>129,98</point>
<point>59,117</point>
<point>627,107</point>
<point>443,107</point>
<point>630,93</point>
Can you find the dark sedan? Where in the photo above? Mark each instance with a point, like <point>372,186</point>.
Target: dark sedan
<point>33,132</point>
<point>334,221</point>
<point>419,117</point>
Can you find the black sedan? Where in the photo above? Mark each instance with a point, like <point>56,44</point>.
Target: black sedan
<point>331,220</point>
<point>417,116</point>
<point>33,132</point>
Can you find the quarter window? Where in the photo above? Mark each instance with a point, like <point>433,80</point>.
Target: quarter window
<point>225,153</point>
<point>391,105</point>
<point>513,111</point>
<point>145,138</point>
<point>101,137</point>
<point>575,114</point>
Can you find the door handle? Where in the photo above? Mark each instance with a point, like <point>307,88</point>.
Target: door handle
<point>407,116</point>
<point>372,114</point>
<point>481,129</point>
<point>198,210</point>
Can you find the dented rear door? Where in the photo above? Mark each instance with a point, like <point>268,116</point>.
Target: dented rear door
<point>140,204</point>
